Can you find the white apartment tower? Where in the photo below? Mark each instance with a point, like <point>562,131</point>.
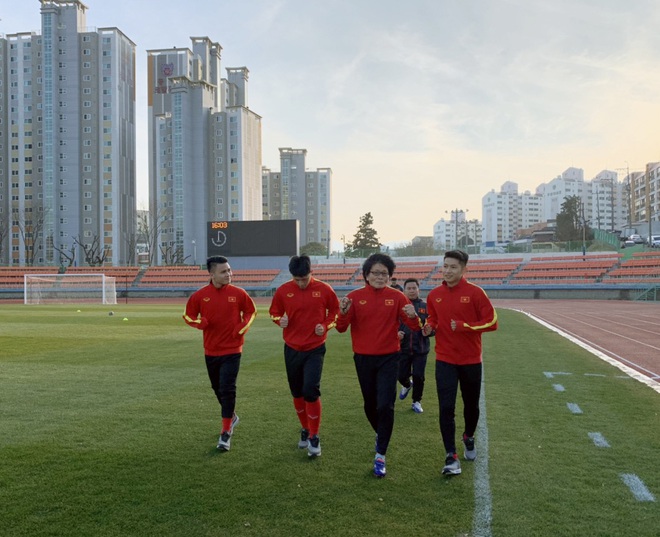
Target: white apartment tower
<point>298,194</point>
<point>204,148</point>
<point>505,212</point>
<point>67,142</point>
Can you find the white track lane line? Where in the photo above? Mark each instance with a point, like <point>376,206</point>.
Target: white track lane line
<point>591,347</point>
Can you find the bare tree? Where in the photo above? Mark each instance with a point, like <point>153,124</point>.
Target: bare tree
<point>67,258</point>
<point>95,252</point>
<point>172,254</point>
<point>4,232</point>
<point>149,229</point>
<point>31,227</point>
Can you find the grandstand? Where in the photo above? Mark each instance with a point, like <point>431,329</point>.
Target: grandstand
<point>595,275</point>
<point>565,269</point>
<point>642,267</point>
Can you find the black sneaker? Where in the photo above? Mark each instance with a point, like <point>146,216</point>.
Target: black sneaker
<point>314,446</point>
<point>224,442</point>
<point>304,436</point>
<point>452,465</point>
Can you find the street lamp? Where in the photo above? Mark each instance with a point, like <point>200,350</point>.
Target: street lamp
<point>194,245</point>
<point>343,240</point>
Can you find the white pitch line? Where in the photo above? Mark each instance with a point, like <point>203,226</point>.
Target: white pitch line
<point>651,383</point>
<point>599,440</point>
<point>638,488</point>
<point>574,408</point>
<point>483,500</point>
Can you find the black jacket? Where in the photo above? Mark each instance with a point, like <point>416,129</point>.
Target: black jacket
<point>415,342</point>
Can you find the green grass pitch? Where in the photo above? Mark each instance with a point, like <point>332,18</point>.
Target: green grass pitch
<point>108,427</point>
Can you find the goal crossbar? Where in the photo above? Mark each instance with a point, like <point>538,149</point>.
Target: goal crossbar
<point>69,289</point>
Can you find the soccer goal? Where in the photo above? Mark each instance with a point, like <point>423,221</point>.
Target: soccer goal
<point>69,289</point>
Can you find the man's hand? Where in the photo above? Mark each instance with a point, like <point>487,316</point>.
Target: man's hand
<point>345,305</point>
<point>400,334</point>
<point>284,321</point>
<point>319,330</point>
<point>409,310</point>
<point>427,330</point>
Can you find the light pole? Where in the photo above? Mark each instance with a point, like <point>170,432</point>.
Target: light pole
<point>343,240</point>
<point>194,245</point>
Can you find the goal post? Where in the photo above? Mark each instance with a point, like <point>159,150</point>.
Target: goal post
<point>69,289</point>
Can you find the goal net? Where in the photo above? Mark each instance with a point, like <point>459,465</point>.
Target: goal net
<point>69,288</point>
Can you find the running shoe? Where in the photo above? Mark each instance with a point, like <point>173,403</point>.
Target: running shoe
<point>304,437</point>
<point>405,391</point>
<point>417,407</point>
<point>314,446</point>
<point>470,449</point>
<point>379,466</point>
<point>452,465</point>
<point>224,442</point>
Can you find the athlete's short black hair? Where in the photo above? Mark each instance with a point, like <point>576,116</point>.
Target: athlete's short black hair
<point>460,256</point>
<point>383,259</point>
<point>300,265</point>
<point>411,280</point>
<point>215,260</point>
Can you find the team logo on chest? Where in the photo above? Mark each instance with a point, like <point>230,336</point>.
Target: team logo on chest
<point>231,298</point>
<point>465,300</point>
<point>389,302</point>
<point>206,299</point>
<point>316,294</point>
<point>363,302</point>
<point>289,295</point>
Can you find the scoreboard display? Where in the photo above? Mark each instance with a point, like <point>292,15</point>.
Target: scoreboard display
<point>253,238</point>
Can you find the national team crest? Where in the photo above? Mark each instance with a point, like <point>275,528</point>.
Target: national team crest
<point>363,302</point>
<point>465,300</point>
<point>168,69</point>
<point>206,299</point>
<point>231,298</point>
<point>289,295</point>
<point>389,302</point>
<point>316,294</point>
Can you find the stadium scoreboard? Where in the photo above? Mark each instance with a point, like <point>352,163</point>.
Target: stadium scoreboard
<point>253,238</point>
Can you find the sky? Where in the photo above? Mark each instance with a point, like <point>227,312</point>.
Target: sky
<point>419,107</point>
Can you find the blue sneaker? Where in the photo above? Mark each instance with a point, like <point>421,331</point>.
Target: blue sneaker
<point>379,466</point>
<point>405,391</point>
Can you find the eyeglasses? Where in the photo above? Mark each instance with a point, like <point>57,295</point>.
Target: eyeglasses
<point>381,274</point>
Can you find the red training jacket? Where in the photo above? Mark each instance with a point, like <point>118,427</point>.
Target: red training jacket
<point>374,318</point>
<point>305,308</point>
<point>470,307</point>
<point>224,314</point>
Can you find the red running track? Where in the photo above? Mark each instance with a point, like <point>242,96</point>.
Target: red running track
<point>628,332</point>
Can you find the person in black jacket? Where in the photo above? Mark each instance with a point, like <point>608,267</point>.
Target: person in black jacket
<point>414,350</point>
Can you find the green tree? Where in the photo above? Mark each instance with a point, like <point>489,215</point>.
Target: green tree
<point>569,220</point>
<point>365,241</point>
<point>314,248</point>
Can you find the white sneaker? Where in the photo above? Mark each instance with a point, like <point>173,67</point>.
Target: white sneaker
<point>404,391</point>
<point>417,407</point>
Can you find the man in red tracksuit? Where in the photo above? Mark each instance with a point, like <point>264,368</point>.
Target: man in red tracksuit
<point>374,312</point>
<point>306,308</point>
<point>459,312</point>
<point>224,312</point>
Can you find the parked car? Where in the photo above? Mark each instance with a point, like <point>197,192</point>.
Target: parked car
<point>654,241</point>
<point>628,243</point>
<point>637,239</point>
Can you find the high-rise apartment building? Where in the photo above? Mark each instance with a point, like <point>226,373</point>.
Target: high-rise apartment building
<point>204,149</point>
<point>298,194</point>
<point>643,192</point>
<point>67,142</point>
<point>506,211</point>
<point>457,232</point>
<point>603,200</point>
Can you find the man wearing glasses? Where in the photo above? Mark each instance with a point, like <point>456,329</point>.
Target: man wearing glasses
<point>374,313</point>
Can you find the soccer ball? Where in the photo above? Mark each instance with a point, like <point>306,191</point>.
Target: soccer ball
<point>111,313</point>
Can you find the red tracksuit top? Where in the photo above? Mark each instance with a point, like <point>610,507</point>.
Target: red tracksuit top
<point>470,307</point>
<point>224,314</point>
<point>305,308</point>
<point>374,318</point>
